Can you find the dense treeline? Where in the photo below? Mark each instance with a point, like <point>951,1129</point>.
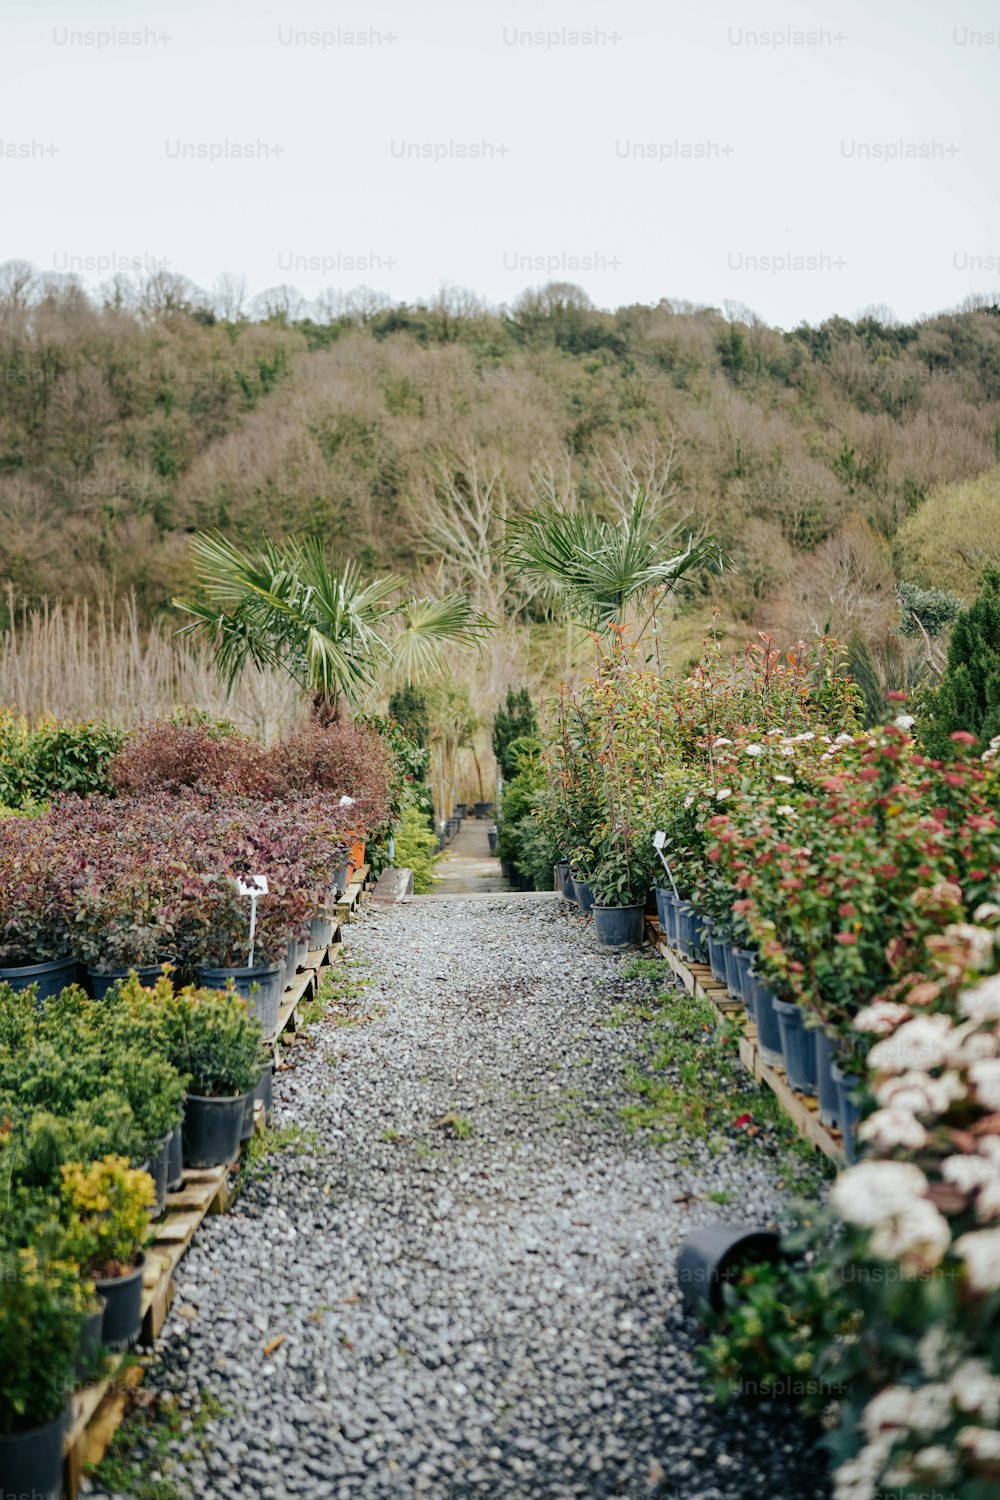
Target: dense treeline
<point>131,419</point>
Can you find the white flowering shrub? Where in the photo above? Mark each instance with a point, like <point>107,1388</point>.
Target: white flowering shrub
<point>919,1254</point>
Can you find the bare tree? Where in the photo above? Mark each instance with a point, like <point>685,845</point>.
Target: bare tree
<point>283,303</point>
<point>229,297</point>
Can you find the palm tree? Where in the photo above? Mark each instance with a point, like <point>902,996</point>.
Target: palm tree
<point>291,606</point>
<point>600,569</point>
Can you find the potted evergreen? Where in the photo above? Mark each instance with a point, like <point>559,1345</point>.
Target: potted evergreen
<point>106,1208</point>
<point>42,1306</point>
<point>621,882</point>
<point>215,1042</point>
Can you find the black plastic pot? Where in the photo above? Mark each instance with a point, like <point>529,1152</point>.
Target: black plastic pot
<point>49,977</point>
<point>482,809</point>
<point>619,926</point>
<point>320,932</point>
<point>297,954</point>
<point>716,1254</point>
<point>848,1112</point>
<point>265,1090</point>
<point>743,957</point>
<point>731,977</point>
<point>684,914</point>
<point>102,980</point>
<point>175,1160</point>
<point>88,1354</point>
<point>670,903</point>
<point>212,1130</point>
<point>270,979</point>
<point>826,1088</point>
<point>717,947</point>
<point>31,1463</point>
<point>460,808</point>
<point>341,878</point>
<point>122,1295</point>
<point>584,893</point>
<point>159,1170</point>
<point>506,868</point>
<point>493,835</point>
<point>797,1046</point>
<point>768,1030</point>
<point>246,1129</point>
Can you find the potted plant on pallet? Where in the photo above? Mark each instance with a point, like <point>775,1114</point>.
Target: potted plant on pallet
<point>121,923</point>
<point>257,972</point>
<point>42,1306</point>
<point>621,882</point>
<point>35,943</point>
<point>106,1209</point>
<point>214,1041</point>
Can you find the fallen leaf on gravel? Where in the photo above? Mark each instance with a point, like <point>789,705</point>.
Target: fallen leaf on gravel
<point>186,1311</point>
<point>275,1343</point>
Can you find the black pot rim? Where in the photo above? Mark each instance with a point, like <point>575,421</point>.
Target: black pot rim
<point>632,906</point>
<point>101,1281</point>
<point>96,972</point>
<point>244,972</point>
<point>219,1098</point>
<point>48,967</point>
<point>29,1434</point>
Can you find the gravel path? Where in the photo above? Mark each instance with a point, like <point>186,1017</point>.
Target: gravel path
<point>490,1313</point>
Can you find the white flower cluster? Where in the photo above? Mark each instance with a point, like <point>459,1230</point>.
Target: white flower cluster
<point>921,1067</point>
<point>912,1414</point>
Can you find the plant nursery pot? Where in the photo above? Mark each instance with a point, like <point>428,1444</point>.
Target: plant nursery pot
<point>684,916</point>
<point>89,1348</point>
<point>660,893</point>
<point>31,1463</point>
<point>342,878</point>
<point>744,958</point>
<point>482,809</point>
<point>699,947</point>
<point>159,1170</point>
<point>265,1090</point>
<point>848,1112</point>
<point>619,926</point>
<point>270,979</point>
<point>356,856</point>
<point>101,981</point>
<point>296,956</point>
<point>175,1160</point>
<point>670,904</point>
<point>797,1045</point>
<point>506,868</point>
<point>826,1088</point>
<point>320,933</point>
<point>460,808</point>
<point>768,1030</point>
<point>493,835</point>
<point>50,977</point>
<point>714,1255</point>
<point>212,1130</point>
<point>246,1128</point>
<point>122,1308</point>
<point>731,977</point>
<point>584,893</point>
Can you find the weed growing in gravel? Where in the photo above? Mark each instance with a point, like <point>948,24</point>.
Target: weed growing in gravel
<point>455,1126</point>
<point>690,1083</point>
<point>154,1426</point>
<point>257,1151</point>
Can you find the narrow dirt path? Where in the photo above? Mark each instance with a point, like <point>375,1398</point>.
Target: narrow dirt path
<point>468,868</point>
<point>457,1277</point>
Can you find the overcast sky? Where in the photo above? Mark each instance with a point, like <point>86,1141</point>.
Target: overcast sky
<point>803,160</point>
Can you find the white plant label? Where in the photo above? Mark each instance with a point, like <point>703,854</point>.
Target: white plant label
<point>659,839</point>
<point>252,886</point>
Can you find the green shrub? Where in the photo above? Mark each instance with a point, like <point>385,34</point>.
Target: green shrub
<point>212,1040</point>
<point>42,1304</point>
<point>416,849</point>
<point>37,764</point>
<point>967,698</point>
<point>511,723</point>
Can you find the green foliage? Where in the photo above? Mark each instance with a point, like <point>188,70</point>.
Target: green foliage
<point>933,609</point>
<point>37,764</point>
<point>408,706</point>
<point>106,1214</point>
<point>293,607</point>
<point>42,1306</point>
<point>953,535</point>
<point>775,1335</point>
<point>416,849</point>
<point>512,722</point>
<point>968,696</point>
<point>211,1038</point>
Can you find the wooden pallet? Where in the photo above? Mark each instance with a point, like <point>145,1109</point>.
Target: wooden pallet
<point>802,1109</point>
<point>349,905</point>
<point>97,1409</point>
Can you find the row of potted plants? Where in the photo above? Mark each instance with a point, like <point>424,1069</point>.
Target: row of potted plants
<point>102,1103</point>
<point>153,872</point>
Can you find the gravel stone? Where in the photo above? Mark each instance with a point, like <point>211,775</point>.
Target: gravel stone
<point>489,1315</point>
